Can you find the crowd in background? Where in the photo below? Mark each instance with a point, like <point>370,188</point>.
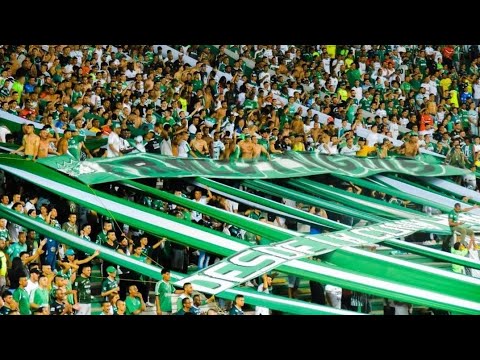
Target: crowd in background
<point>235,102</point>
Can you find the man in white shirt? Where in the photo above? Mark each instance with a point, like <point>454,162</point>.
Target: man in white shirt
<point>113,145</point>
<point>32,283</point>
<point>373,137</point>
<point>265,287</point>
<point>183,148</point>
<point>218,146</point>
<point>350,149</point>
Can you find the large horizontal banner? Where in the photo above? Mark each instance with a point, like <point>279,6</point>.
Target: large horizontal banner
<point>289,165</point>
<point>273,302</point>
<point>193,235</point>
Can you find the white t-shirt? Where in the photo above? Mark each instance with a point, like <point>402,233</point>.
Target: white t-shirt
<point>113,139</point>
<point>195,215</point>
<point>350,151</point>
<point>183,149</point>
<point>218,147</point>
<point>334,294</point>
<point>166,147</point>
<point>31,287</point>
<point>260,310</point>
<point>372,139</point>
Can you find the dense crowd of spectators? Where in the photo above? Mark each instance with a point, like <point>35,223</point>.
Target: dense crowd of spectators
<point>277,98</point>
<point>234,102</point>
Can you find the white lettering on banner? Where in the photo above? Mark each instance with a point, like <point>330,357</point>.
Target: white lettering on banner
<point>229,275</point>
<point>372,233</point>
<point>282,252</point>
<point>419,224</point>
<point>206,284</point>
<point>397,230</point>
<point>237,260</point>
<point>289,164</point>
<point>251,263</point>
<point>302,246</point>
<point>346,236</point>
<point>264,166</point>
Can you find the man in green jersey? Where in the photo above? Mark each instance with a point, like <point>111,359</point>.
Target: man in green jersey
<point>134,301</point>
<point>458,226</point>
<point>163,292</point>
<point>82,291</point>
<point>20,295</point>
<point>110,285</point>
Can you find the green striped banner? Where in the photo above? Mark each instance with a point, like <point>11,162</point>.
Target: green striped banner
<point>289,165</point>
<point>196,236</point>
<point>252,297</point>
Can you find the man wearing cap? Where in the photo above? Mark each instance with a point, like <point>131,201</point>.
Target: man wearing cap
<point>364,149</point>
<point>75,263</point>
<point>113,144</point>
<point>110,285</point>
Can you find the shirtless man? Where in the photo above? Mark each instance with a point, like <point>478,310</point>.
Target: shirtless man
<point>222,111</point>
<point>206,136</point>
<point>62,146</point>
<point>29,143</point>
<point>298,125</point>
<point>44,144</point>
<point>230,145</point>
<point>198,145</point>
<point>258,149</point>
<point>246,147</point>
<point>315,132</point>
<point>411,147</point>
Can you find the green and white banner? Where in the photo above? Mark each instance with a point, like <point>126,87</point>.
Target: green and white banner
<point>252,297</point>
<point>257,260</point>
<point>463,298</point>
<point>291,164</point>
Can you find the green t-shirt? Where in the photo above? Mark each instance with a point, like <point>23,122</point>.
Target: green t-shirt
<point>108,284</point>
<point>15,249</point>
<point>164,290</point>
<point>83,287</point>
<point>21,297</point>
<point>453,215</point>
<point>40,297</point>
<point>101,238</point>
<point>132,304</point>
<point>4,233</point>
